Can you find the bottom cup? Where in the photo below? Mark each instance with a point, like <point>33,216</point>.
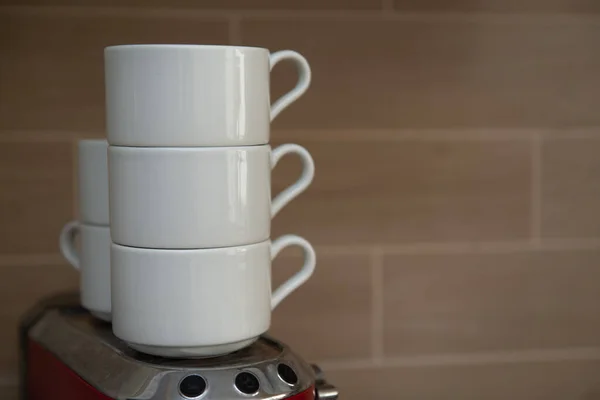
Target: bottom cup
<point>198,303</point>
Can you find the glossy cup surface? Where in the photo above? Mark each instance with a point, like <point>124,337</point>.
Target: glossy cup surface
<point>187,95</point>
<point>190,198</point>
<point>191,299</point>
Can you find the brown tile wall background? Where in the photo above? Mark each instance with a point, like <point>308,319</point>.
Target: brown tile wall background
<point>455,207</point>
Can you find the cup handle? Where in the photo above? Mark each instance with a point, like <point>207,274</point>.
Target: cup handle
<point>67,243</point>
<point>292,191</point>
<point>310,261</point>
<point>304,76</point>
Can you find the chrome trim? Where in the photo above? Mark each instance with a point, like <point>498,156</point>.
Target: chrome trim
<point>89,348</point>
<point>325,391</point>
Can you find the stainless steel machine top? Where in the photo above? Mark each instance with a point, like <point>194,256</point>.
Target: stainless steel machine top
<point>265,370</point>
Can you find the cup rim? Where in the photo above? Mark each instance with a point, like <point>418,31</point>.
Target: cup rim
<point>188,149</point>
<point>176,46</point>
<point>184,252</point>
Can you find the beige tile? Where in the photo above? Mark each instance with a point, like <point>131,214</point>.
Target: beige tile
<point>438,73</point>
<point>491,302</point>
<point>55,63</point>
<point>409,191</point>
<point>527,381</point>
<point>336,298</point>
<point>37,198</point>
<point>570,190</point>
<point>20,288</point>
<point>506,6</point>
<point>216,4</point>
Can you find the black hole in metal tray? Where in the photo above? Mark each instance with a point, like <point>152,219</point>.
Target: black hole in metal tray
<point>247,383</point>
<point>192,386</point>
<point>287,374</point>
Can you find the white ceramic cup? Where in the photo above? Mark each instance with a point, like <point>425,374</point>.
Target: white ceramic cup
<point>197,197</point>
<point>92,259</point>
<point>93,182</point>
<point>198,303</point>
<point>191,95</point>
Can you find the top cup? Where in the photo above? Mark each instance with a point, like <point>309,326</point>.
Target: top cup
<point>189,95</point>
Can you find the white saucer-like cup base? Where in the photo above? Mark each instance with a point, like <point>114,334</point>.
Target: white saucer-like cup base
<point>192,351</point>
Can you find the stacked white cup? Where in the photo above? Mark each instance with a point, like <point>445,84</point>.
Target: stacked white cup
<point>92,257</point>
<point>190,195</point>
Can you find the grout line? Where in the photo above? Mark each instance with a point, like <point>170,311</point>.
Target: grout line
<point>31,260</point>
<point>519,246</point>
<point>546,245</point>
<point>347,135</point>
<point>572,133</point>
<point>493,247</point>
<point>377,319</point>
<point>404,134</point>
<point>469,359</point>
<point>117,12</point>
<point>536,191</point>
<point>235,30</point>
<point>349,15</point>
<point>27,136</point>
<point>343,250</point>
<point>319,135</point>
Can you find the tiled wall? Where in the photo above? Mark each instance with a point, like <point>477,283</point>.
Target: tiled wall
<point>456,204</point>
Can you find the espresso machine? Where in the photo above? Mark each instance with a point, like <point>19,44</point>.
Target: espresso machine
<point>66,354</point>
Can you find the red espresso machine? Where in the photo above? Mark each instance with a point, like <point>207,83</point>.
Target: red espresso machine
<point>68,355</point>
